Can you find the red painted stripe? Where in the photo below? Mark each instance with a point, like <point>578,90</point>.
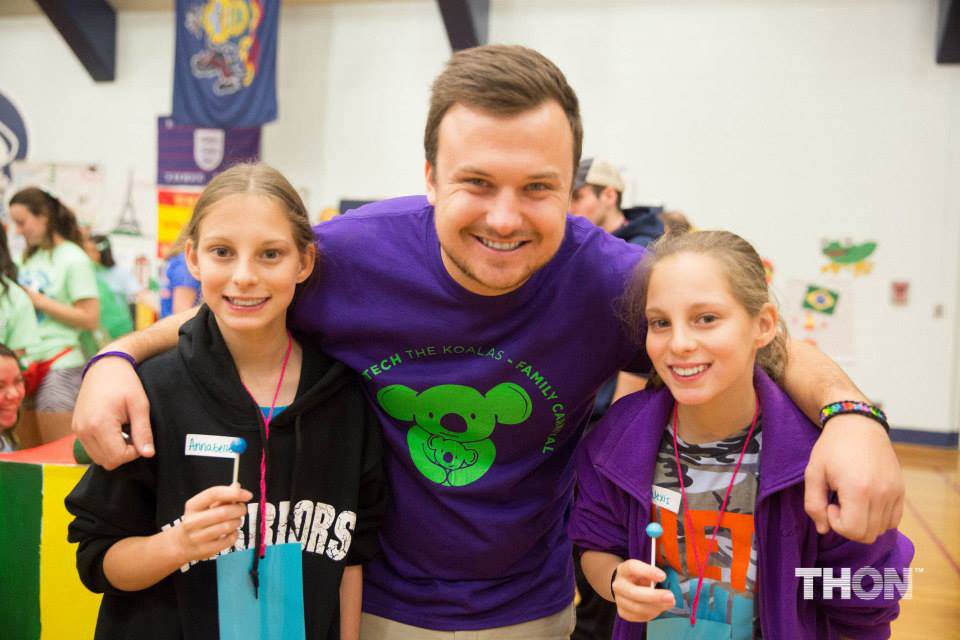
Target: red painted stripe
<point>936,540</point>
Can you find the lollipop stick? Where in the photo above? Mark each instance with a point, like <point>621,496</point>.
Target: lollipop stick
<point>654,530</point>
<point>238,446</point>
<point>653,557</point>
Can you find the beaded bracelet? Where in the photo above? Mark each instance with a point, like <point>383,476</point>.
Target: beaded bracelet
<point>853,406</point>
<point>119,354</point>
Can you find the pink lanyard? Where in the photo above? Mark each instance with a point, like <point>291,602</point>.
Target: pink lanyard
<point>263,453</point>
<point>701,568</point>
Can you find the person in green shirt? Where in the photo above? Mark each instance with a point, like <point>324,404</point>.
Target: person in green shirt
<point>114,284</point>
<point>18,323</point>
<point>59,278</point>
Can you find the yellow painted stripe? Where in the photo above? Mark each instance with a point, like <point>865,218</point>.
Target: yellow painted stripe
<point>67,609</point>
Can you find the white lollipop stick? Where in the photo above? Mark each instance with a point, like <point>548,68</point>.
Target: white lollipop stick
<point>654,530</point>
<point>238,446</point>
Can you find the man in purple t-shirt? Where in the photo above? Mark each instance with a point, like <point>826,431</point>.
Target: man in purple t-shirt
<point>484,319</point>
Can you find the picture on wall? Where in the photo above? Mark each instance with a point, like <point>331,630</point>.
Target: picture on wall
<point>822,315</point>
<point>849,256</point>
<point>79,186</point>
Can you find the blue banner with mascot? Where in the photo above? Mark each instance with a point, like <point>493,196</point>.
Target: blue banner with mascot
<point>225,68</point>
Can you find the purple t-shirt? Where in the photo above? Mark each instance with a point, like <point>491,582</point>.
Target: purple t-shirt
<point>482,399</point>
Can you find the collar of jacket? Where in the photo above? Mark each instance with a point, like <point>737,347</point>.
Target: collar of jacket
<point>626,457</point>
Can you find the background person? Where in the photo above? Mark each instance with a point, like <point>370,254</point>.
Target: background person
<point>675,222</point>
<point>120,280</point>
<point>11,396</point>
<point>597,196</point>
<point>113,287</point>
<point>179,290</point>
<point>482,349</point>
<point>18,322</point>
<point>59,278</point>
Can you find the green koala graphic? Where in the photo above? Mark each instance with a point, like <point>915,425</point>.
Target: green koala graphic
<point>450,438</point>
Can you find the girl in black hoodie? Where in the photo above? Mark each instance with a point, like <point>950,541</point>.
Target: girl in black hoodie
<point>149,530</point>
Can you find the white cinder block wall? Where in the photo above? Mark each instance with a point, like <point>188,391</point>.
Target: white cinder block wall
<point>788,121</point>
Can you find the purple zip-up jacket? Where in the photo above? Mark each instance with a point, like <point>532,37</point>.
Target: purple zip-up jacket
<point>615,468</point>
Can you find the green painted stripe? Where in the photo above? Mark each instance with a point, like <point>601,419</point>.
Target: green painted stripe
<point>20,507</point>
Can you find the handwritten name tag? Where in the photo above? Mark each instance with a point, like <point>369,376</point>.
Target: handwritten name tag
<point>199,444</point>
<point>666,498</point>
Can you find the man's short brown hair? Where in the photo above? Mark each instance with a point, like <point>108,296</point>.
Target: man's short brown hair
<point>503,80</point>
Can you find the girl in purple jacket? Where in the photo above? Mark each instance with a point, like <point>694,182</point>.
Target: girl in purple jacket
<point>714,453</point>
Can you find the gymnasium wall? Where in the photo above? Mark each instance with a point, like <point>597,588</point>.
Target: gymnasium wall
<point>792,122</point>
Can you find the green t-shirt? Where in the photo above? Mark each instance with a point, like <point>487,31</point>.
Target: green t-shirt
<point>18,322</point>
<point>64,273</point>
<point>115,320</point>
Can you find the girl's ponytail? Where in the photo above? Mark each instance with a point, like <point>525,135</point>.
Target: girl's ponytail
<point>63,221</point>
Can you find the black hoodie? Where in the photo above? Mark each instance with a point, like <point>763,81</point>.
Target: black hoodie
<point>323,457</point>
<point>642,225</point>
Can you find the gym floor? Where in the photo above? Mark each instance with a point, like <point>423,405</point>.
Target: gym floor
<point>931,519</point>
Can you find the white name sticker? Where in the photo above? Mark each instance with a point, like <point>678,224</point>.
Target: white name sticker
<point>666,498</point>
<point>199,444</point>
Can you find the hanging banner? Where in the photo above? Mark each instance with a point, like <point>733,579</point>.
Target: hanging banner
<point>191,156</point>
<point>13,143</point>
<point>173,211</point>
<point>225,67</point>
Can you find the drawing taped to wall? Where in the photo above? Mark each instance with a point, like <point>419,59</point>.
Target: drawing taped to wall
<point>899,293</point>
<point>768,269</point>
<point>848,255</point>
<point>127,223</point>
<point>79,186</point>
<point>822,316</point>
<point>821,300</point>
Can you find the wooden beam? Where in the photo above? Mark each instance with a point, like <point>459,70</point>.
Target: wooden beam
<point>90,29</point>
<point>466,22</point>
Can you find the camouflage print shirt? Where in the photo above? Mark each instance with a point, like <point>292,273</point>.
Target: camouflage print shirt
<point>730,576</point>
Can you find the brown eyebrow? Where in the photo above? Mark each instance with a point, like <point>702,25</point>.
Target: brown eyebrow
<point>546,175</point>
<point>696,307</point>
<point>473,170</point>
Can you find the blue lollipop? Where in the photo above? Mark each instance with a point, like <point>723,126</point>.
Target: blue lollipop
<point>238,446</point>
<point>654,530</point>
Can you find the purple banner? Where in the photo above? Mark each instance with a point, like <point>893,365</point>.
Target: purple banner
<point>192,156</point>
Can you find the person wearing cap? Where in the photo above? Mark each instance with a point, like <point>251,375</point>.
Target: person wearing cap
<point>597,195</point>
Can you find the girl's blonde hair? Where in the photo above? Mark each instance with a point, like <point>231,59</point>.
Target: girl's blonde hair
<point>745,274</point>
<point>258,179</point>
